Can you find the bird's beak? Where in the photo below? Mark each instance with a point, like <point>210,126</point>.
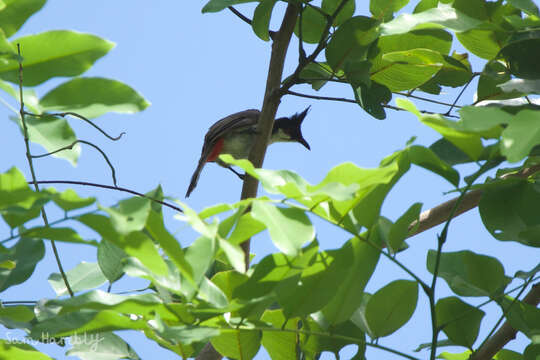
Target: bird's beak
<point>304,142</point>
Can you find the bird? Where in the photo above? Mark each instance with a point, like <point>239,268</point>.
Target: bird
<point>235,135</point>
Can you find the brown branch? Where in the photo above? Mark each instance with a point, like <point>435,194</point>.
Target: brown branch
<point>271,101</point>
<point>439,214</point>
<point>110,187</point>
<point>506,333</point>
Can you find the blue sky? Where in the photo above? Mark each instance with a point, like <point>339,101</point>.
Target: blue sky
<point>195,69</point>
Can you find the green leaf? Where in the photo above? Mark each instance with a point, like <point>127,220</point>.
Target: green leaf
<point>449,153</point>
<point>237,344</point>
<point>521,52</point>
<point>228,281</point>
<point>102,346</point>
<point>532,351</point>
<point>469,143</point>
<point>82,277</point>
<point>246,227</point>
<point>156,228</point>
<point>470,274</point>
<point>521,316</point>
<point>55,53</point>
<point>347,296</point>
<point>351,41</point>
<point>15,191</point>
<point>26,254</point>
<point>391,307</point>
<point>58,234</point>
<point>444,15</point>
<point>130,215</point>
<point>52,133</point>
<point>330,6</point>
<point>399,231</point>
<point>280,345</point>
<point>289,228</point>
<point>459,320</point>
<point>522,134</point>
<point>482,43</point>
<point>200,256</point>
<point>508,212</point>
<point>261,18</point>
<point>384,9</point>
<point>69,200</point>
<point>218,5</point>
<point>17,351</point>
<point>449,356</point>
<point>16,12</point>
<point>313,25</point>
<point>110,260</point>
<point>505,354</point>
<point>493,74</point>
<point>521,85</point>
<point>85,321</point>
<point>527,6</point>
<point>429,160</point>
<point>372,98</point>
<point>234,254</point>
<point>93,97</point>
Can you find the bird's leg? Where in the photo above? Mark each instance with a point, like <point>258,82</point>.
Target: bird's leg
<point>241,176</point>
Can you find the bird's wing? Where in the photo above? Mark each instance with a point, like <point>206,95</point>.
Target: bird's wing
<point>230,123</point>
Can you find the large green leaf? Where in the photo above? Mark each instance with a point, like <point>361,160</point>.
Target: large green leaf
<point>52,133</point>
<point>82,277</point>
<point>469,274</point>
<point>313,24</point>
<point>482,43</point>
<point>523,317</point>
<point>85,321</point>
<point>63,234</point>
<point>408,69</point>
<point>103,346</point>
<point>55,53</point>
<point>237,344</point>
<point>467,142</point>
<point>509,211</point>
<point>110,257</point>
<point>261,18</point>
<point>347,296</point>
<point>280,345</point>
<point>521,53</point>
<point>330,7</point>
<point>130,214</point>
<point>459,320</point>
<point>426,158</point>
<point>69,200</point>
<point>521,136</point>
<point>391,307</point>
<point>384,9</point>
<point>92,97</point>
<point>14,190</point>
<point>351,41</point>
<point>156,228</point>
<point>25,254</point>
<point>20,351</point>
<point>494,74</point>
<point>16,12</point>
<point>289,228</point>
<point>444,15</point>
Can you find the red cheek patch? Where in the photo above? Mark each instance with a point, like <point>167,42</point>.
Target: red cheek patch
<point>216,150</point>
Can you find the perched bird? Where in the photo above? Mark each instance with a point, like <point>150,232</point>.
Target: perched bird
<point>235,135</point>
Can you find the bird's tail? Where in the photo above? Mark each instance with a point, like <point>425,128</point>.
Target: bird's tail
<point>195,176</point>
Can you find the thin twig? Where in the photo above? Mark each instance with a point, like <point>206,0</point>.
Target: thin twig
<point>461,93</point>
<point>353,101</point>
<point>426,99</point>
<point>69,147</point>
<point>32,171</point>
<point>64,114</point>
<point>110,187</point>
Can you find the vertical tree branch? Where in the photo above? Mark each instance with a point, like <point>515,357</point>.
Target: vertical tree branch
<point>272,98</point>
<point>32,171</point>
